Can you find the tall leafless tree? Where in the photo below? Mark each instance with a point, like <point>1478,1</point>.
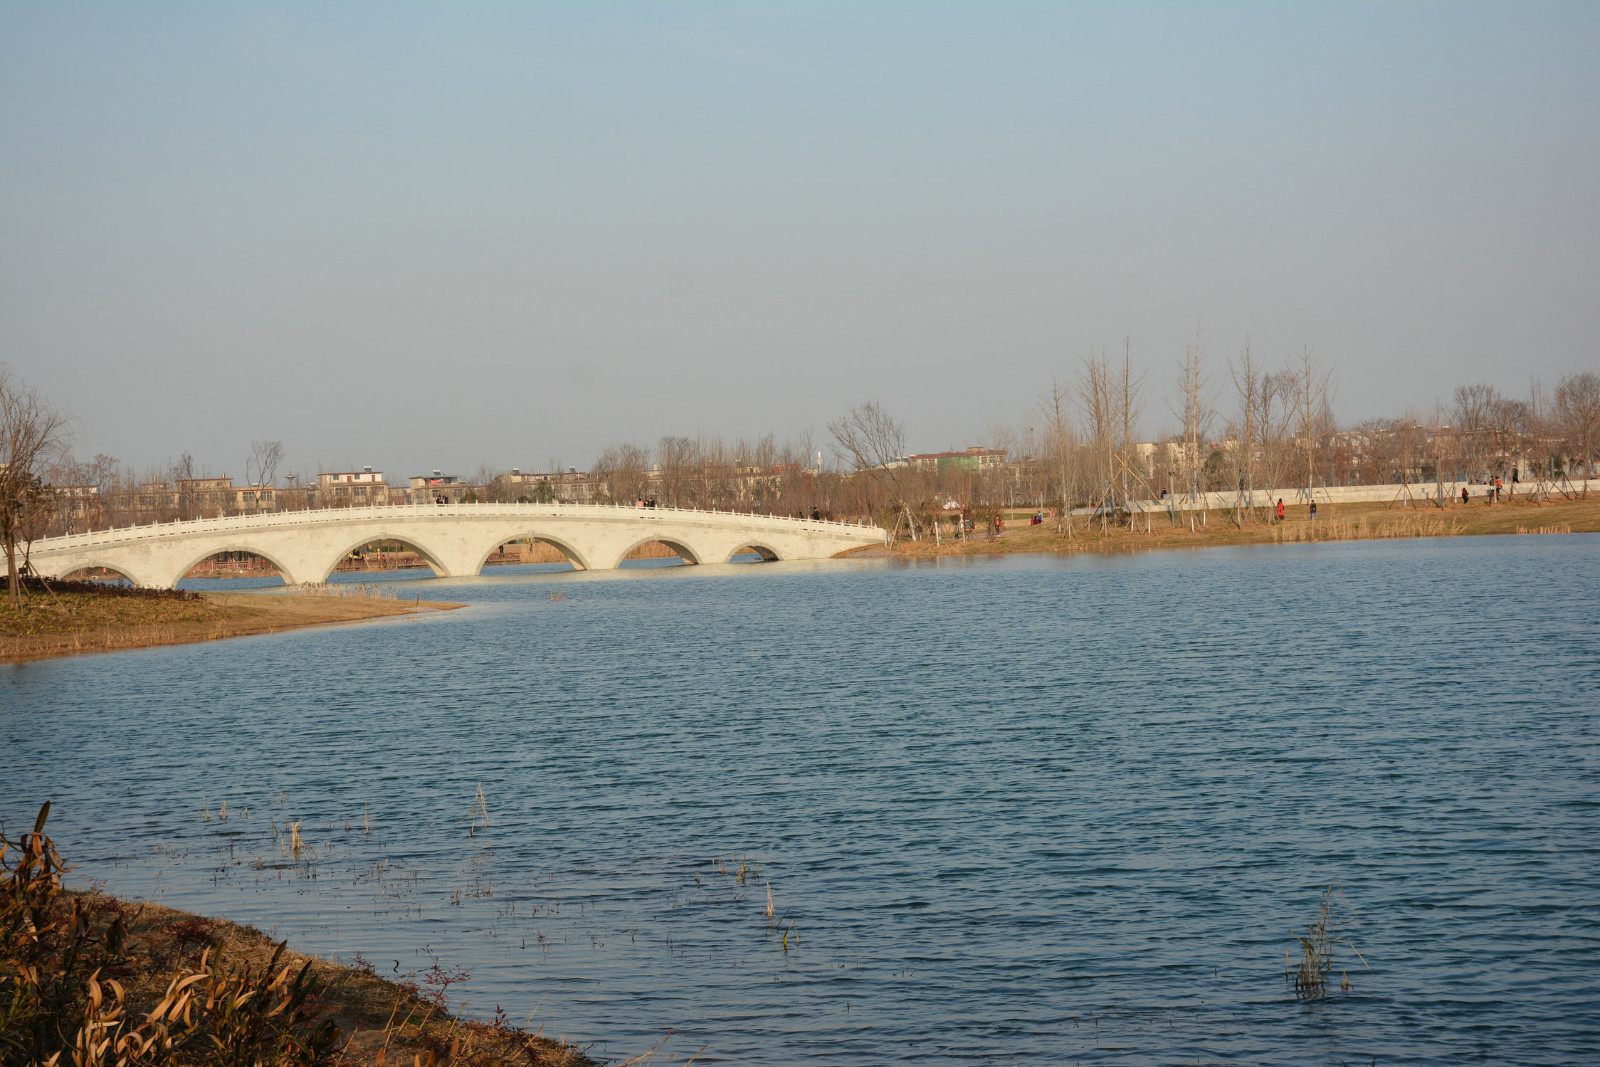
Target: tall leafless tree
<point>1578,408</point>
<point>1247,378</point>
<point>1470,416</point>
<point>33,435</point>
<point>1061,447</point>
<point>1310,385</point>
<point>874,441</point>
<point>262,466</point>
<point>621,473</point>
<point>1195,410</point>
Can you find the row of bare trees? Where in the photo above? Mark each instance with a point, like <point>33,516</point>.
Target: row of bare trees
<point>761,475</point>
<point>1274,427</point>
<point>1246,426</point>
<point>1252,427</point>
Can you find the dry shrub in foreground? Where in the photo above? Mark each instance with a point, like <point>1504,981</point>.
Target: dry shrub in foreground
<point>90,981</point>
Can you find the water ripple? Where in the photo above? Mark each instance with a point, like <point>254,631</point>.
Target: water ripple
<point>1007,810</point>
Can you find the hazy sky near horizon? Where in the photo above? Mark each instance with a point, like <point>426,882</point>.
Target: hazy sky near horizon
<point>420,236</point>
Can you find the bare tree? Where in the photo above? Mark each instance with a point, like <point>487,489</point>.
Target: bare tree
<point>677,458</point>
<point>1061,447</point>
<point>1471,415</point>
<point>1111,398</point>
<point>1541,441</point>
<point>1248,385</point>
<point>620,471</point>
<point>487,486</point>
<point>262,466</point>
<point>33,434</point>
<point>1095,388</point>
<point>1408,446</point>
<point>1439,441</point>
<point>1309,383</point>
<point>1274,421</point>
<point>874,441</point>
<point>1128,399</point>
<point>1578,408</point>
<point>1196,413</point>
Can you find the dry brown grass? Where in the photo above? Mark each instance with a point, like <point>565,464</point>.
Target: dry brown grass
<point>94,981</point>
<point>63,623</point>
<point>1336,522</point>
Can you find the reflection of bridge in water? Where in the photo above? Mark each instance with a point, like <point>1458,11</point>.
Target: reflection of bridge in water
<point>453,539</point>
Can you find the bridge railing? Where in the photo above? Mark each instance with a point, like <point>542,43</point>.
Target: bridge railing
<point>315,516</point>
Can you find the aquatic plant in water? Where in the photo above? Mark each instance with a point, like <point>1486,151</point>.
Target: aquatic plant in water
<point>1309,980</point>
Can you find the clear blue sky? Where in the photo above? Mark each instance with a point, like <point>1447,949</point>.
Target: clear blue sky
<point>425,236</point>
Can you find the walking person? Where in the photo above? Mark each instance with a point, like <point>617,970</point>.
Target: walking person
<point>1280,509</point>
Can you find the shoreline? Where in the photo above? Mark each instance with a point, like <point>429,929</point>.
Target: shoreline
<point>406,1020</point>
<point>1335,522</point>
<point>85,964</point>
<point>71,623</point>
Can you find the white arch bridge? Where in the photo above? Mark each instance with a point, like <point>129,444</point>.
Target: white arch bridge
<point>453,539</point>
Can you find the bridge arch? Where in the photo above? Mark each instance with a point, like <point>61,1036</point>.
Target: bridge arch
<point>289,577</point>
<point>766,552</point>
<point>685,553</point>
<point>576,558</point>
<point>429,556</point>
<point>136,580</point>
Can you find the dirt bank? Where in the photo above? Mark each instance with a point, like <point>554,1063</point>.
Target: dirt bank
<point>92,979</point>
<point>65,620</point>
<point>408,1019</point>
<point>1335,522</point>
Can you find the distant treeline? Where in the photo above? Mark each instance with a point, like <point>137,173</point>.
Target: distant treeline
<point>1241,425</point>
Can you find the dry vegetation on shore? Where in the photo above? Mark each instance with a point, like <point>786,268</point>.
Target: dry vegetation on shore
<point>66,618</point>
<point>1336,522</point>
<point>90,980</point>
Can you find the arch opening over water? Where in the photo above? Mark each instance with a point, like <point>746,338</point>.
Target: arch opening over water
<point>659,552</point>
<point>532,549</point>
<point>384,554</point>
<point>98,573</point>
<point>753,553</point>
<point>235,564</point>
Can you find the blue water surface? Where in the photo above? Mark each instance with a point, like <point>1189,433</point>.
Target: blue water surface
<point>1030,809</point>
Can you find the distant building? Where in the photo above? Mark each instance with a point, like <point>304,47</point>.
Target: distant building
<point>253,499</point>
<point>342,489</point>
<point>560,487</point>
<point>205,497</point>
<point>975,460</point>
<point>437,488</point>
<point>75,501</point>
<point>75,493</point>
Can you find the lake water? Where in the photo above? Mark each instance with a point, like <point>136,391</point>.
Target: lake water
<point>1020,810</point>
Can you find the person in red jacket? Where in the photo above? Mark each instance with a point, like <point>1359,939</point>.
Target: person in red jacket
<point>1280,509</point>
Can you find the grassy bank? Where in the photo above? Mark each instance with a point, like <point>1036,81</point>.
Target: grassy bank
<point>1335,522</point>
<point>92,980</point>
<point>63,619</point>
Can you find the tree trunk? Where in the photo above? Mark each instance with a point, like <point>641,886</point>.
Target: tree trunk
<point>11,574</point>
